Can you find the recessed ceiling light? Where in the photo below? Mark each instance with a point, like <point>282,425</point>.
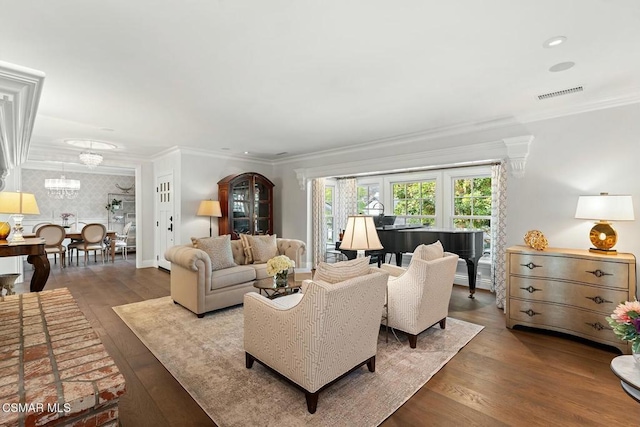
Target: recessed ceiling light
<point>563,66</point>
<point>246,152</point>
<point>554,41</point>
<point>225,149</point>
<point>91,144</point>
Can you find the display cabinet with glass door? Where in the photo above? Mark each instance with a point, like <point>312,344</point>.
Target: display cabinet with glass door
<point>246,202</point>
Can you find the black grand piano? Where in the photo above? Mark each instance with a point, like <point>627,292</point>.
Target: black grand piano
<point>467,243</point>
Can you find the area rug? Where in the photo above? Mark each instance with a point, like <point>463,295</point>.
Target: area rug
<point>207,357</point>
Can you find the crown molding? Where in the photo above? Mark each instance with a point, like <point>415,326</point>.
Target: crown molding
<point>20,90</point>
<point>207,153</point>
<point>465,155</point>
<point>602,104</point>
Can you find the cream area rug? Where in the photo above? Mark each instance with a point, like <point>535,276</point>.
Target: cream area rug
<point>207,357</point>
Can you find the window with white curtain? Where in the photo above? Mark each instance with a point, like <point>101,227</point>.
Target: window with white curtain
<point>329,211</point>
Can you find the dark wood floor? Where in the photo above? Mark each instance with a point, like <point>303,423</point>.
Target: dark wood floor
<point>502,377</point>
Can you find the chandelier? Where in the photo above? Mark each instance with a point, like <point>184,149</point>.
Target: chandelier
<point>91,160</point>
<point>62,188</point>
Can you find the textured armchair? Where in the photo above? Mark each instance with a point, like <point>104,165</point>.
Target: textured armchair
<point>316,337</point>
<point>419,295</point>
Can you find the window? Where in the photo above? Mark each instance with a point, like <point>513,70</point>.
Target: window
<point>369,199</point>
<point>415,202</point>
<point>472,204</point>
<point>329,205</point>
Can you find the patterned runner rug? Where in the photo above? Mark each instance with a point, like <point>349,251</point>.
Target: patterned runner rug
<point>207,357</point>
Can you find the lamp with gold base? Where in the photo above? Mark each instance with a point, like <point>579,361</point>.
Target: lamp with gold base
<point>604,208</point>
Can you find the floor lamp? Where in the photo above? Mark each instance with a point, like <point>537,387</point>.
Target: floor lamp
<point>209,208</point>
<point>360,235</point>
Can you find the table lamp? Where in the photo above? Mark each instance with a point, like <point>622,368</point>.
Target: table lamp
<point>17,204</point>
<point>360,235</point>
<point>209,208</point>
<point>604,208</point>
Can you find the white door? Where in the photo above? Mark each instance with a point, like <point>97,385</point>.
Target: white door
<point>164,225</point>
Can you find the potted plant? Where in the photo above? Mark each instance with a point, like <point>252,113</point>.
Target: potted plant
<point>114,205</point>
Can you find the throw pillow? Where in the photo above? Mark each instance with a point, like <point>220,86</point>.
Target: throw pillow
<point>246,247</point>
<point>263,248</point>
<point>341,271</point>
<point>429,252</point>
<point>218,249</point>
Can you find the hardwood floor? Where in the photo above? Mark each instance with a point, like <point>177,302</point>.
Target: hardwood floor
<point>502,377</point>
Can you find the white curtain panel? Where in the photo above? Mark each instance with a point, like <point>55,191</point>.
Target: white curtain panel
<point>346,201</point>
<point>499,232</point>
<point>319,226</point>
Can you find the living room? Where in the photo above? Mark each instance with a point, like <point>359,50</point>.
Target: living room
<point>575,144</point>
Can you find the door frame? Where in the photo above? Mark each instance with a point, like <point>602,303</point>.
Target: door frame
<point>159,251</point>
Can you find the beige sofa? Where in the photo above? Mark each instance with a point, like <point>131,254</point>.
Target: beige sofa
<point>196,287</point>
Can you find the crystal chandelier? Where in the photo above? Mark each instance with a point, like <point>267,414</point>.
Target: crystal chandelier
<point>90,159</point>
<point>62,188</point>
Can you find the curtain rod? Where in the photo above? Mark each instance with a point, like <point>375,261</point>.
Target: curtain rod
<point>424,169</point>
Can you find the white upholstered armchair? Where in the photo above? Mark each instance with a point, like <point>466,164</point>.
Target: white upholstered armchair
<point>419,295</point>
<point>316,337</point>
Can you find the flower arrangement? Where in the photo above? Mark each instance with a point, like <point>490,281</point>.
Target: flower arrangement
<point>625,322</point>
<point>278,265</point>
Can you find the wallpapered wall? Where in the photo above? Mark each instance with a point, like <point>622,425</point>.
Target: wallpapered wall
<point>90,204</point>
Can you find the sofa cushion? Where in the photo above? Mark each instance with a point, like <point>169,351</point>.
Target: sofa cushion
<point>259,249</point>
<point>218,249</point>
<point>341,271</point>
<point>288,301</point>
<point>232,276</point>
<point>261,270</point>
<point>429,252</point>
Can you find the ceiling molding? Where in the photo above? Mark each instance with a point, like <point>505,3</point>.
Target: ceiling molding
<point>452,156</point>
<point>62,167</point>
<point>20,90</point>
<point>602,104</point>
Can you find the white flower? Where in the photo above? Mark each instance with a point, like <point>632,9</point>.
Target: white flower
<point>279,264</point>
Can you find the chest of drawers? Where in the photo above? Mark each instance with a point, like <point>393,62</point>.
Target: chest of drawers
<point>568,290</point>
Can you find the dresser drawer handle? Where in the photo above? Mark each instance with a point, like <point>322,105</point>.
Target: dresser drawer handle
<point>599,300</point>
<point>531,289</point>
<point>529,312</point>
<point>598,326</point>
<point>530,266</point>
<point>599,273</point>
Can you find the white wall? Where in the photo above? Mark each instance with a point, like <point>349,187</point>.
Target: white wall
<point>569,156</point>
<point>198,180</point>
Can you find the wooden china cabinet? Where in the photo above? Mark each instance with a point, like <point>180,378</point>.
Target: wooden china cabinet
<point>246,202</point>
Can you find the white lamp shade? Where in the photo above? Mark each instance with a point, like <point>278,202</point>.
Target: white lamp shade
<point>360,234</point>
<point>605,207</point>
<point>18,203</point>
<point>209,208</point>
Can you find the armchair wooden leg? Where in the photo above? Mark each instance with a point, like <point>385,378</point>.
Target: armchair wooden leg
<point>443,323</point>
<point>413,340</point>
<point>371,364</point>
<point>312,401</point>
<point>248,360</point>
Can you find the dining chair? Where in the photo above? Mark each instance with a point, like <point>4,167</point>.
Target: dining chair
<point>121,239</point>
<point>92,240</point>
<point>74,228</point>
<point>53,236</point>
<point>38,225</point>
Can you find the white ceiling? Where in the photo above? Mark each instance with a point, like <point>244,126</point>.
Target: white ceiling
<point>300,76</point>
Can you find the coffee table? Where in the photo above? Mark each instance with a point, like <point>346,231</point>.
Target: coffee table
<point>267,288</point>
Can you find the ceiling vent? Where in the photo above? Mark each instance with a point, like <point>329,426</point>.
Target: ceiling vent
<point>560,93</point>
